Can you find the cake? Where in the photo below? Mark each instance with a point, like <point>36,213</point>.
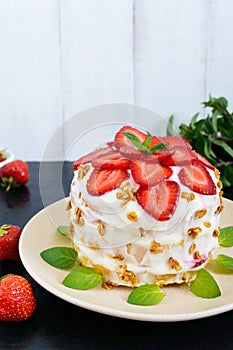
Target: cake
<point>144,209</point>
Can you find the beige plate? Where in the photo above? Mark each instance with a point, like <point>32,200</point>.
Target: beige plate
<point>178,304</point>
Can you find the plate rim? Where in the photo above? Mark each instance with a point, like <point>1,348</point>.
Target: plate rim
<point>107,310</point>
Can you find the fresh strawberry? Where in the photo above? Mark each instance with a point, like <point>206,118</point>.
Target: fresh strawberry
<point>197,178</point>
<point>101,181</point>
<point>134,154</point>
<point>159,201</point>
<point>204,161</point>
<point>182,156</point>
<point>13,174</point>
<point>90,156</point>
<point>111,160</point>
<point>148,174</point>
<point>17,300</point>
<point>2,155</point>
<point>123,140</point>
<point>176,141</point>
<point>9,239</point>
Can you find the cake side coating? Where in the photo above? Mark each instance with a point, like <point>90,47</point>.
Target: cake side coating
<point>113,234</point>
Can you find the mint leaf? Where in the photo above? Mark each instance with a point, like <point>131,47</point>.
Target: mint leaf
<point>224,261</point>
<point>225,238</point>
<point>170,129</point>
<point>147,142</point>
<point>64,230</point>
<point>82,278</point>
<point>158,147</point>
<point>60,257</point>
<point>146,295</point>
<point>136,142</point>
<point>204,285</point>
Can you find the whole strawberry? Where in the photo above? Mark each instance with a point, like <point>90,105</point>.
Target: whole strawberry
<point>17,300</point>
<point>2,155</point>
<point>9,239</point>
<point>13,174</point>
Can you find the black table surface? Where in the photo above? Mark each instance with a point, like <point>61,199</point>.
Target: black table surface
<point>57,324</point>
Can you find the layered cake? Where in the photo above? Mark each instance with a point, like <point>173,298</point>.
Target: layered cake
<point>144,209</point>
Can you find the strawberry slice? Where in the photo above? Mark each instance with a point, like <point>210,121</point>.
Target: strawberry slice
<point>102,181</point>
<point>122,140</point>
<point>159,201</point>
<point>176,141</point>
<point>111,160</point>
<point>204,161</point>
<point>148,174</point>
<point>182,156</point>
<point>134,154</point>
<point>197,178</point>
<point>90,156</point>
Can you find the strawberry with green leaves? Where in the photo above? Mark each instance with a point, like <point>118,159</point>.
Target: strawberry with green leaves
<point>17,300</point>
<point>14,174</point>
<point>9,240</point>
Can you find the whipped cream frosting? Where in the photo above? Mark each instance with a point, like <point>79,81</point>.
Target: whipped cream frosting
<point>113,234</point>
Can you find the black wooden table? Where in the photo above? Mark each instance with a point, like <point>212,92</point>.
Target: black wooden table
<point>57,324</point>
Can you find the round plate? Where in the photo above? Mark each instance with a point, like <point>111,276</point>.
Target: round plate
<point>179,304</point>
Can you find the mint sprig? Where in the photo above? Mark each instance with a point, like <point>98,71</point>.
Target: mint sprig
<point>145,147</point>
<point>225,238</point>
<point>82,278</point>
<point>146,295</point>
<point>204,285</point>
<point>60,257</point>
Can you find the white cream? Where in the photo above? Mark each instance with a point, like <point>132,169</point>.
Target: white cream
<point>144,246</point>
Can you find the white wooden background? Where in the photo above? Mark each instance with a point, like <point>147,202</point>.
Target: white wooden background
<point>60,57</point>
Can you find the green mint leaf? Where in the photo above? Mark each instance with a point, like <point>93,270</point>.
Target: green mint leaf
<point>64,230</point>
<point>60,257</point>
<point>158,147</point>
<point>82,278</point>
<point>147,142</point>
<point>136,142</point>
<point>146,295</point>
<point>225,146</point>
<point>204,285</point>
<point>170,130</point>
<point>225,238</point>
<point>223,103</point>
<point>224,261</point>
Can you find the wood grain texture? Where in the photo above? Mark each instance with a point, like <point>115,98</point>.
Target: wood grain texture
<point>30,97</point>
<point>58,58</point>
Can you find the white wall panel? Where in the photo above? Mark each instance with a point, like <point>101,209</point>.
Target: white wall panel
<point>170,55</point>
<point>97,53</point>
<point>220,50</point>
<point>60,57</point>
<point>30,104</point>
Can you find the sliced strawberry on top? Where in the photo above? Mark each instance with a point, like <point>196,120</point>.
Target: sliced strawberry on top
<point>123,140</point>
<point>111,160</point>
<point>197,178</point>
<point>204,161</point>
<point>90,156</point>
<point>159,201</point>
<point>157,157</point>
<point>181,156</point>
<point>148,174</point>
<point>102,181</point>
<point>176,141</point>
